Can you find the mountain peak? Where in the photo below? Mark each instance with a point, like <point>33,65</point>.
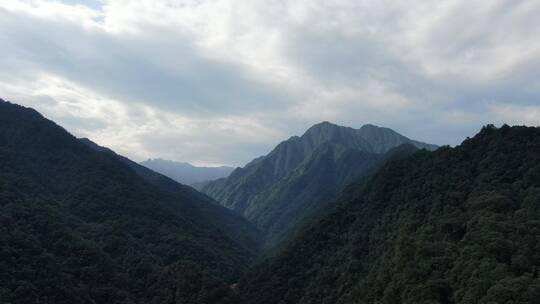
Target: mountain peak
<point>324,125</point>
<point>369,137</point>
<point>373,127</point>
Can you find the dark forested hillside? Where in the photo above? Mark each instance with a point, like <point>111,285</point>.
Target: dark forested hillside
<point>228,221</point>
<point>81,226</point>
<point>458,225</point>
<point>298,178</point>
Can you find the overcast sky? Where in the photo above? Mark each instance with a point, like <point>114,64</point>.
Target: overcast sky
<point>221,82</point>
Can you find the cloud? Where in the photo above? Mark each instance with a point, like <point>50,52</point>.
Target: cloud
<point>222,81</point>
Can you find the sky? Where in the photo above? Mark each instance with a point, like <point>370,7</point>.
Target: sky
<point>217,82</point>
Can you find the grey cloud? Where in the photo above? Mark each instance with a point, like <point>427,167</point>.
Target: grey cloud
<point>83,125</point>
<point>338,60</point>
<point>213,148</point>
<point>136,68</point>
<point>95,4</point>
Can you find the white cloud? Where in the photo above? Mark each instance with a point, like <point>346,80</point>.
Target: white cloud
<point>222,81</point>
<point>515,115</point>
<point>142,131</point>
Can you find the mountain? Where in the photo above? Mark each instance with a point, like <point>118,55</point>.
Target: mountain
<point>80,224</point>
<point>186,173</point>
<point>289,185</point>
<point>458,225</point>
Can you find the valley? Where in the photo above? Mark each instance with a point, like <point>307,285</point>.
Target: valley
<point>337,215</point>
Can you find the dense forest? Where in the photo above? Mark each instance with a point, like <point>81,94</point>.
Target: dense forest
<point>458,225</point>
<point>79,225</point>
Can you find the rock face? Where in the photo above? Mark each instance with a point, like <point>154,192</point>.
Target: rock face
<point>294,181</point>
<point>458,225</point>
<point>80,224</point>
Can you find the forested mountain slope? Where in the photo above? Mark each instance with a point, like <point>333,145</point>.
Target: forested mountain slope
<point>280,190</point>
<point>310,188</point>
<point>81,226</point>
<point>458,225</point>
<point>231,223</point>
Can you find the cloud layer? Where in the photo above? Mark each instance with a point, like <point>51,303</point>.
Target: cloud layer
<point>222,81</point>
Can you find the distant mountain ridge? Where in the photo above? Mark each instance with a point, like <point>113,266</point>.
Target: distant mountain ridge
<point>186,173</point>
<point>298,176</point>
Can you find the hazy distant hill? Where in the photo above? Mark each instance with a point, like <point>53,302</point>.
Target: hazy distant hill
<point>458,225</point>
<point>80,224</point>
<point>297,178</point>
<point>186,173</point>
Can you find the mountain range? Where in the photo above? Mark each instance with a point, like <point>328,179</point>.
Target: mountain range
<point>337,215</point>
<point>187,173</point>
<point>285,188</point>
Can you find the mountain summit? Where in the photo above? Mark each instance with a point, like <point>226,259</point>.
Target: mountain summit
<point>296,179</point>
<point>369,138</point>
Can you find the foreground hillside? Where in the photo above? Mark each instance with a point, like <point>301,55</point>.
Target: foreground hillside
<point>299,177</point>
<point>458,225</point>
<point>228,221</point>
<point>78,225</point>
